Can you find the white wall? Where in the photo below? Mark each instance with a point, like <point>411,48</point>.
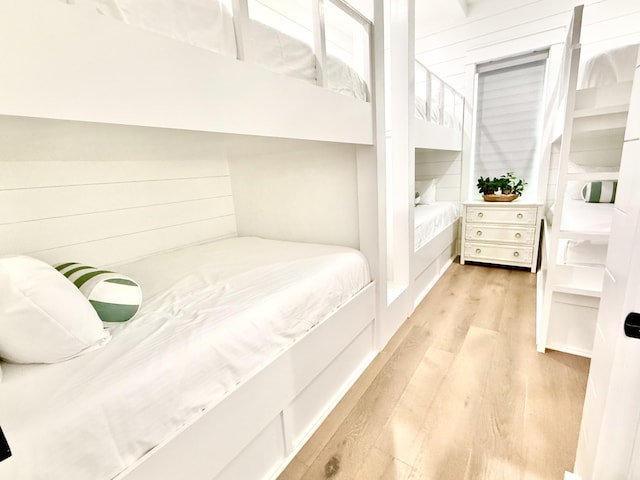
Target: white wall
<point>446,167</point>
<point>102,194</point>
<point>302,191</point>
<point>494,29</point>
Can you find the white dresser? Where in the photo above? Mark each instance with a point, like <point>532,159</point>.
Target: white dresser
<point>502,233</point>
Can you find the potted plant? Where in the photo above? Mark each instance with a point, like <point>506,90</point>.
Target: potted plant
<point>503,189</point>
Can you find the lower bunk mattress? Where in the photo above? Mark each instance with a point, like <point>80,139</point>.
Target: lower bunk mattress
<point>432,219</point>
<point>212,316</point>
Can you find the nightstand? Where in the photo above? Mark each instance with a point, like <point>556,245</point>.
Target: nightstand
<point>502,233</point>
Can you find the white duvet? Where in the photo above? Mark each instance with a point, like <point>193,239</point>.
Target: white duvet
<point>212,316</point>
<point>432,219</point>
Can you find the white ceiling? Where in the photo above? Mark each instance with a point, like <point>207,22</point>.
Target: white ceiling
<point>434,16</point>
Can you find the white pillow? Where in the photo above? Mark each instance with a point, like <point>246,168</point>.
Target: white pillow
<point>427,191</point>
<point>43,317</point>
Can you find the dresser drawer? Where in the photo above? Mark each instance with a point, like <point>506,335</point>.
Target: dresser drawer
<point>494,233</point>
<point>511,215</point>
<point>498,253</point>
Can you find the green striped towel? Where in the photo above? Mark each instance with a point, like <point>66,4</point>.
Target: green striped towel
<point>115,297</point>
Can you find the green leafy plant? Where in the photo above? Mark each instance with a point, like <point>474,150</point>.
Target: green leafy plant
<point>506,184</point>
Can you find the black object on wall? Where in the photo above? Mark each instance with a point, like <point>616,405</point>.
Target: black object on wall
<point>5,451</point>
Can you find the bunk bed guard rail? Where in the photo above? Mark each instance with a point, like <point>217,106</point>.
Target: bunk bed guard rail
<point>241,22</point>
<point>442,102</point>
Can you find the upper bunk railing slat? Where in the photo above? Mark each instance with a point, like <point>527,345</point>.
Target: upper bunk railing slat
<point>240,23</point>
<point>319,42</point>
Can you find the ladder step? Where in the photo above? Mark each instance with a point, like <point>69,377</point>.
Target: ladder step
<point>593,176</point>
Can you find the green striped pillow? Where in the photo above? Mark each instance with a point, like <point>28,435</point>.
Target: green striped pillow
<point>115,297</point>
<point>600,192</point>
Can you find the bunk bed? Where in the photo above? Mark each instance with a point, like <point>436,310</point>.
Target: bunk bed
<point>95,87</point>
<point>437,127</point>
<point>593,99</point>
<point>164,81</point>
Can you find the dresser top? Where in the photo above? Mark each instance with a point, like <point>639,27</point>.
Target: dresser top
<point>515,204</point>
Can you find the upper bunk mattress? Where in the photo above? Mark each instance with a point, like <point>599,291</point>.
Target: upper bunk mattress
<point>432,219</point>
<point>606,68</point>
<point>212,316</point>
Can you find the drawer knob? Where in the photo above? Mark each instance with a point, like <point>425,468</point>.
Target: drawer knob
<point>478,250</point>
<point>518,235</point>
<point>479,233</point>
<point>520,216</point>
<point>516,254</point>
<point>480,214</point>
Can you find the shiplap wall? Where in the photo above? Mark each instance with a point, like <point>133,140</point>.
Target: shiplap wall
<point>443,165</point>
<point>103,194</point>
<point>300,191</point>
<point>494,29</point>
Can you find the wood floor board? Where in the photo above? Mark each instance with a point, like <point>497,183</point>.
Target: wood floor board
<point>460,392</point>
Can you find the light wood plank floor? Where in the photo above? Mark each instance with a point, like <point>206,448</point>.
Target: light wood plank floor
<point>458,393</point>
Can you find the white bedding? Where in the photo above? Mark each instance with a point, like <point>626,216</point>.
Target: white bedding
<point>212,316</point>
<point>582,252</point>
<point>209,24</point>
<point>612,66</point>
<point>580,216</point>
<point>431,220</point>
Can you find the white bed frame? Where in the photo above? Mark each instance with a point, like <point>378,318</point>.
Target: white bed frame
<point>104,71</point>
<point>430,261</point>
<point>256,431</point>
<point>100,65</point>
<point>569,298</point>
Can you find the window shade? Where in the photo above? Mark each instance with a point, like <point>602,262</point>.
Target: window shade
<point>508,116</point>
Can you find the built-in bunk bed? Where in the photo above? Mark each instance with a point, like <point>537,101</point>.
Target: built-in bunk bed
<point>237,209</point>
<point>587,138</point>
<point>437,128</point>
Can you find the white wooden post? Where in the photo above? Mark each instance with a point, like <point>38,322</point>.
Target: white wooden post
<point>319,42</point>
<point>240,24</point>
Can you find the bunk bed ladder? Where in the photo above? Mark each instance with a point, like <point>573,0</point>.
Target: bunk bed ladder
<point>566,101</point>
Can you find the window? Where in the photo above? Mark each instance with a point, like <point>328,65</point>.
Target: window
<point>508,117</point>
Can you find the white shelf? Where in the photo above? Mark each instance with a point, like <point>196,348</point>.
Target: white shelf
<point>573,290</point>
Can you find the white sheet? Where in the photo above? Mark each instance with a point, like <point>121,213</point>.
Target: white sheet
<point>580,216</point>
<point>212,316</point>
<point>605,68</point>
<point>432,219</point>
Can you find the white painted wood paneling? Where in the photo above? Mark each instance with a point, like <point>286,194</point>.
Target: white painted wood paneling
<point>103,194</point>
<point>499,29</point>
<point>445,167</point>
<point>306,194</point>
